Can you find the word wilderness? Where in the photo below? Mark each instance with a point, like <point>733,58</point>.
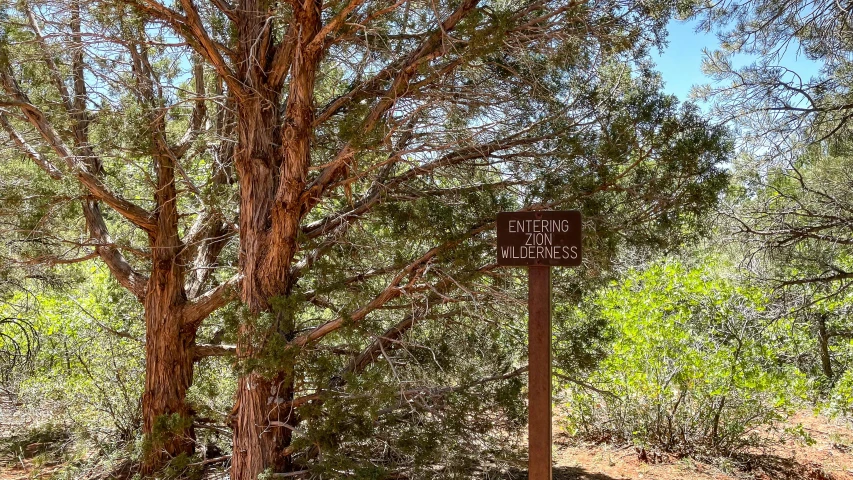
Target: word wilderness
<point>539,238</point>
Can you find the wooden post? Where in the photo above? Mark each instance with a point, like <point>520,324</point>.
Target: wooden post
<point>539,240</point>
<point>539,374</point>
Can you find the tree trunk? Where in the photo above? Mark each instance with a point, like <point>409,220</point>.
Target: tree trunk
<point>823,346</point>
<point>260,439</point>
<point>167,421</point>
<point>256,446</point>
<point>272,159</point>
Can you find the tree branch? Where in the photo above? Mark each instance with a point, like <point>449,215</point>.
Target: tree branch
<point>192,29</point>
<point>198,309</point>
<point>199,111</point>
<point>76,165</point>
<point>392,291</point>
<point>332,25</point>
<point>400,71</point>
<point>49,168</point>
<point>203,351</point>
<point>133,213</point>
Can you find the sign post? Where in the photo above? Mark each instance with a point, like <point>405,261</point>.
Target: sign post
<point>539,240</point>
<point>539,373</point>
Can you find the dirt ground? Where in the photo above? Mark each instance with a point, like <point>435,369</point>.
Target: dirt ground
<point>827,456</point>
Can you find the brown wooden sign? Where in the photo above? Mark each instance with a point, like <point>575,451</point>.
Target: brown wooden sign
<point>539,238</point>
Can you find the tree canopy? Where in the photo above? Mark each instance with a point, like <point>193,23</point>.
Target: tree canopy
<point>312,187</point>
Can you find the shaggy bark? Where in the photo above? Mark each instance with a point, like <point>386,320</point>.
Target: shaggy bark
<point>421,105</point>
<point>272,165</point>
<point>171,320</point>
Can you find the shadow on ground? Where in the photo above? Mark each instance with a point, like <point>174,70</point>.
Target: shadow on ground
<point>772,466</point>
<point>577,473</point>
<point>565,473</point>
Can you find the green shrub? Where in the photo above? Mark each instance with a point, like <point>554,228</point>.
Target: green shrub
<point>692,365</point>
<point>89,367</point>
<point>841,397</point>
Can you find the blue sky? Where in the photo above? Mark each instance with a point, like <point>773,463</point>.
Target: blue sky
<point>680,64</point>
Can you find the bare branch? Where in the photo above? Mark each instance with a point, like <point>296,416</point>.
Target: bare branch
<point>199,308</point>
<point>37,158</point>
<point>203,351</point>
<point>199,112</point>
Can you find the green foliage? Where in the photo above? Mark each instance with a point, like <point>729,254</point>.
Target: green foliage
<point>81,390</point>
<point>779,108</point>
<point>46,439</point>
<point>519,107</point>
<point>841,396</point>
<point>692,367</point>
<point>790,223</point>
<point>183,466</point>
<point>423,403</point>
<point>89,368</point>
<point>166,428</point>
<point>790,202</point>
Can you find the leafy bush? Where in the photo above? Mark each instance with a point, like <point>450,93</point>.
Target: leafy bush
<point>88,370</point>
<point>691,367</point>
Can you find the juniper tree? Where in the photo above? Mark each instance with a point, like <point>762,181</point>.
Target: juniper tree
<point>371,145</point>
<point>774,102</point>
<point>791,221</point>
<point>791,212</point>
<point>92,121</point>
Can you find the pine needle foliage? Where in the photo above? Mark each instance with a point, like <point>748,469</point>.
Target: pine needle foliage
<point>338,167</point>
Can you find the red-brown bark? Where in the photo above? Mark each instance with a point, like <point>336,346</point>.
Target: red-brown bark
<point>171,320</point>
<point>169,360</point>
<point>169,345</point>
<point>272,161</point>
<point>272,157</point>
